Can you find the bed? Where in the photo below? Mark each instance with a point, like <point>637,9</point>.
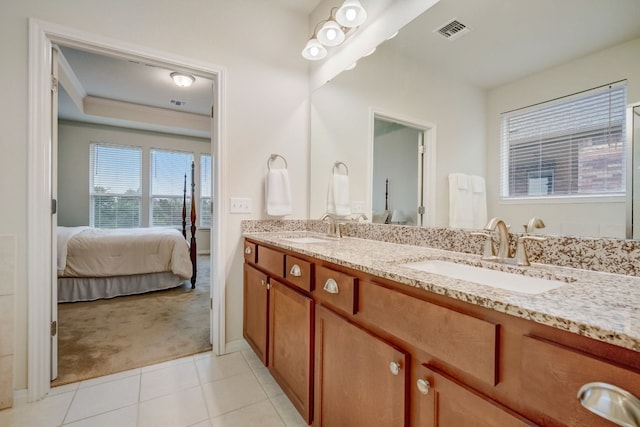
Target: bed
<point>96,263</point>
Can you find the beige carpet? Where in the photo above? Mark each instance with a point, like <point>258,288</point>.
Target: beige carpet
<point>107,336</point>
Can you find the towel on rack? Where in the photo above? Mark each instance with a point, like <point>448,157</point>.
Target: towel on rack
<point>478,201</point>
<point>338,200</point>
<point>278,192</point>
<point>460,210</point>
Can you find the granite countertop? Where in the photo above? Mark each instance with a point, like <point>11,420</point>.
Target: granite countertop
<point>602,306</point>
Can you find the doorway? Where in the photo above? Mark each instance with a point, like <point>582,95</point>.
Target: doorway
<point>403,170</point>
<point>40,260</point>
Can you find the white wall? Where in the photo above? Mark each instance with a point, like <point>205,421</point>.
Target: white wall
<point>586,218</point>
<point>266,108</point>
<point>74,140</point>
<point>341,123</point>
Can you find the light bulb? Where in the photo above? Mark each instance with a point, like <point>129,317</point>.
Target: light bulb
<point>351,14</point>
<point>314,51</point>
<point>331,34</point>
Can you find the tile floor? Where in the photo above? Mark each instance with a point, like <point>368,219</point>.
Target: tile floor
<point>200,391</point>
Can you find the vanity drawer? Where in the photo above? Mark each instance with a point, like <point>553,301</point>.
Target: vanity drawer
<point>299,272</point>
<point>553,374</point>
<point>454,339</point>
<point>335,289</point>
<point>271,260</point>
<point>250,252</point>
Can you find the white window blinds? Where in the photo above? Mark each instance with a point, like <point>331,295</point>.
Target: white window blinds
<point>205,191</point>
<point>168,169</point>
<point>574,146</point>
<point>115,179</point>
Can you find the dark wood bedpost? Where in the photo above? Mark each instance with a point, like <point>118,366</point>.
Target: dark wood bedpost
<point>193,250</point>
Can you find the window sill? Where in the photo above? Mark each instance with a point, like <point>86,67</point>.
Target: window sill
<point>562,200</point>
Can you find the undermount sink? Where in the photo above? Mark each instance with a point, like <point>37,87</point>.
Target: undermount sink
<point>486,276</point>
<point>305,239</point>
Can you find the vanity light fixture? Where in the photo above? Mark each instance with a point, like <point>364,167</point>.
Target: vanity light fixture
<point>182,80</point>
<point>333,31</point>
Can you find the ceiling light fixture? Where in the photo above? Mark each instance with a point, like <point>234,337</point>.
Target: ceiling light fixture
<point>182,80</point>
<point>333,31</point>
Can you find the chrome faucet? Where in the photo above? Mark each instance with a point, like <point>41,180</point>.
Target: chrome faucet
<point>334,225</point>
<point>503,236</point>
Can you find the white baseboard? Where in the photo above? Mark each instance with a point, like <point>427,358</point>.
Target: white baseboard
<point>237,345</point>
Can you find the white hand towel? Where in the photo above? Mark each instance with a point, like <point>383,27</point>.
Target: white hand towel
<point>338,200</point>
<point>278,193</point>
<point>460,202</point>
<point>478,201</point>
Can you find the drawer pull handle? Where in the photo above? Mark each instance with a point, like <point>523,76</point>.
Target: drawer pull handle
<point>423,386</point>
<point>394,367</point>
<point>296,271</point>
<point>248,250</point>
<point>331,286</point>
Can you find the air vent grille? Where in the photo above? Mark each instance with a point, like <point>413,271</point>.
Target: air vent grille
<point>452,30</point>
<point>178,103</point>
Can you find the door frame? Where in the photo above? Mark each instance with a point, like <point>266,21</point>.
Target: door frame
<point>42,36</point>
<point>429,161</point>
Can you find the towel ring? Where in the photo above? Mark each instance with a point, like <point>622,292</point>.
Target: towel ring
<point>336,167</point>
<point>274,157</point>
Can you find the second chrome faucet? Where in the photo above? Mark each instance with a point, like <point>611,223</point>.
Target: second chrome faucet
<point>504,241</point>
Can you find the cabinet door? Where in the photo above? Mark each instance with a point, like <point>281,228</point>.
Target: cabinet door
<point>445,402</point>
<point>290,348</point>
<point>360,380</point>
<point>255,311</point>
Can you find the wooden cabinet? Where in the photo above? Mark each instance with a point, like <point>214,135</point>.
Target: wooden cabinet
<point>351,349</point>
<point>360,380</point>
<point>446,402</point>
<point>255,314</point>
<point>553,374</point>
<point>290,344</point>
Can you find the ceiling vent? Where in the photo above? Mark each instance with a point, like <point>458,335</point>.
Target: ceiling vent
<point>453,30</point>
<point>178,103</point>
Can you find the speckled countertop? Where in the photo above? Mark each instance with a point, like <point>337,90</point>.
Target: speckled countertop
<point>602,306</point>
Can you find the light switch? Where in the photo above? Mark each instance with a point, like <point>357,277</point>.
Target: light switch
<point>240,205</point>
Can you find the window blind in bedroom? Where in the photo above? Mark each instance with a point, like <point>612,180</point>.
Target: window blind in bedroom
<point>205,191</point>
<point>168,169</point>
<point>115,182</point>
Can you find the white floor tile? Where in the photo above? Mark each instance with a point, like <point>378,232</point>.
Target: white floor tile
<point>261,414</point>
<point>48,412</point>
<point>232,393</point>
<point>63,389</point>
<point>124,417</point>
<point>252,359</point>
<point>102,398</point>
<point>166,364</point>
<point>269,385</point>
<point>168,380</point>
<point>213,368</point>
<point>111,377</point>
<point>180,409</point>
<point>287,411</point>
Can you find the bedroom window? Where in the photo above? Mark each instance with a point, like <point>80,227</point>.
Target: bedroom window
<point>168,169</point>
<point>571,147</point>
<point>205,191</point>
<point>115,180</point>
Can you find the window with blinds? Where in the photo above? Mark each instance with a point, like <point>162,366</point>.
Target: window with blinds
<point>571,147</point>
<point>205,191</point>
<point>115,180</point>
<point>168,170</point>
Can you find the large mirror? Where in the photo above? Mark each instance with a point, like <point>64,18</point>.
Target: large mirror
<point>512,54</point>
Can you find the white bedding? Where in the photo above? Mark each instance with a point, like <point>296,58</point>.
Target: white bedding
<point>96,252</point>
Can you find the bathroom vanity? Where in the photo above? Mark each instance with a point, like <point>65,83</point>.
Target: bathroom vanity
<point>358,333</point>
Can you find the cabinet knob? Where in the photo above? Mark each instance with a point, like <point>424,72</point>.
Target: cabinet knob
<point>262,282</point>
<point>423,386</point>
<point>296,271</point>
<point>331,286</point>
<point>394,367</point>
<point>248,250</point>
